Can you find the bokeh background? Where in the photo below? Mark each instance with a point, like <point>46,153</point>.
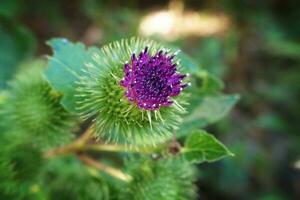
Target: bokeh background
<point>253,45</point>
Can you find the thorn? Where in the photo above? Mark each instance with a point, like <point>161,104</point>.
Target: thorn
<point>160,117</point>
<point>155,114</point>
<point>149,118</point>
<point>177,52</point>
<point>178,105</point>
<point>115,77</point>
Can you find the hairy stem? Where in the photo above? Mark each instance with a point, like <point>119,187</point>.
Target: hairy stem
<point>74,147</point>
<point>114,148</point>
<point>82,144</point>
<point>109,170</point>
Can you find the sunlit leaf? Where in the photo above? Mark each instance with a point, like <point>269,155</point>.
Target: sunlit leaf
<point>65,68</point>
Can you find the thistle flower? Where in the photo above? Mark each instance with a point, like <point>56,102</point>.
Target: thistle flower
<point>152,80</point>
<point>136,103</point>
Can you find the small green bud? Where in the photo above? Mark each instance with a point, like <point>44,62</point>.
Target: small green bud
<point>170,179</point>
<point>32,108</point>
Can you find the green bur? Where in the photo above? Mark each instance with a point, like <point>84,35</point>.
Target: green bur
<point>32,108</point>
<point>163,179</point>
<point>66,178</point>
<point>20,164</point>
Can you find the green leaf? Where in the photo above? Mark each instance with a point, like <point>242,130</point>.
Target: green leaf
<point>203,147</point>
<point>65,68</point>
<point>210,83</point>
<point>206,110</point>
<point>211,56</point>
<point>16,44</point>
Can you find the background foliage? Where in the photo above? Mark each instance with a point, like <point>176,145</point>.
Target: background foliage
<point>257,56</point>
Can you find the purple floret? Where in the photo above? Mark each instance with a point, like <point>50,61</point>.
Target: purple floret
<point>150,81</point>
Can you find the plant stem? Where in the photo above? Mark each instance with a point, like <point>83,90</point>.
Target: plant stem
<point>109,170</point>
<point>76,146</point>
<point>114,148</point>
<point>81,144</point>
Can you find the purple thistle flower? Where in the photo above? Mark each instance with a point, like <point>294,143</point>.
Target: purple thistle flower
<point>152,80</point>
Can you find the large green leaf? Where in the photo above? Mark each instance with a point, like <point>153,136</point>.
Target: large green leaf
<point>206,110</point>
<point>65,68</point>
<point>203,147</point>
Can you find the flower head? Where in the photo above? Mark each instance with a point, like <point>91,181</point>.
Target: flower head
<point>151,108</point>
<point>151,80</point>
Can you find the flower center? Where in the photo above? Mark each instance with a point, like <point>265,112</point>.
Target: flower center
<point>152,80</point>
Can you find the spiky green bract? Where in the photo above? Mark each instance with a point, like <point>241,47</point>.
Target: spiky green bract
<point>101,98</point>
<point>32,108</point>
<point>20,163</point>
<point>66,178</point>
<point>169,179</point>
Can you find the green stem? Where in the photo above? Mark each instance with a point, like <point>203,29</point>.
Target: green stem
<point>116,148</point>
<point>107,169</point>
<point>76,146</point>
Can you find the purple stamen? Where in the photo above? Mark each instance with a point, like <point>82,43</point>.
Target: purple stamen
<point>152,80</point>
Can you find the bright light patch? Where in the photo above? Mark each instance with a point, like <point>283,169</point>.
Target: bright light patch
<point>174,23</point>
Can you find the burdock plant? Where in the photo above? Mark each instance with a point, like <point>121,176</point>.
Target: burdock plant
<point>143,99</point>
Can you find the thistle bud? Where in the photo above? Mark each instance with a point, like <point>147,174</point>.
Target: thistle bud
<point>163,179</point>
<point>34,109</point>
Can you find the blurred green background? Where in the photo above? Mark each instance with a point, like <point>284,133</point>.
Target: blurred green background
<point>253,45</point>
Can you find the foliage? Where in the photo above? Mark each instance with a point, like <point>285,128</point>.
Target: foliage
<point>68,61</point>
<point>85,82</point>
<point>257,56</point>
<point>201,146</point>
